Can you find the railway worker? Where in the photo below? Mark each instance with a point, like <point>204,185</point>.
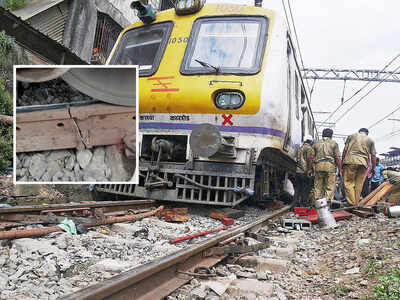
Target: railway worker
<point>327,158</point>
<point>359,150</point>
<point>303,180</point>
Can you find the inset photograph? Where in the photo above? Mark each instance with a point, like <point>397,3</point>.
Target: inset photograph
<point>75,124</point>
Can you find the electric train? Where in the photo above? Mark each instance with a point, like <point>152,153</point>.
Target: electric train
<point>222,104</point>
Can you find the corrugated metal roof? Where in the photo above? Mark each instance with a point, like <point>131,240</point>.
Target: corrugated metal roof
<point>35,8</point>
<point>52,21</point>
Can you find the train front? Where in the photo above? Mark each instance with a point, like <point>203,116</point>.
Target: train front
<point>201,73</point>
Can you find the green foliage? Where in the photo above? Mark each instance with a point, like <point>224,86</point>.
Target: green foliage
<point>6,153</point>
<point>388,286</point>
<point>372,268</point>
<point>14,4</point>
<point>6,104</point>
<point>6,42</point>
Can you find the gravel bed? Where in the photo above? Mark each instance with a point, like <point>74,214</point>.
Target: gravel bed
<point>60,263</point>
<point>103,163</point>
<point>340,263</point>
<point>49,92</point>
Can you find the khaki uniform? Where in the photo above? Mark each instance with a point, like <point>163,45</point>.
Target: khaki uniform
<point>355,165</point>
<point>304,154</point>
<point>303,182</point>
<point>326,151</point>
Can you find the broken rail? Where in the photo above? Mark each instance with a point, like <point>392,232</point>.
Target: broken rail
<point>159,278</point>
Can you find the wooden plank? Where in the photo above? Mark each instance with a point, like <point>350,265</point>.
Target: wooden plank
<point>382,193</point>
<point>373,193</point>
<point>42,115</point>
<point>47,135</point>
<point>83,112</point>
<point>99,125</point>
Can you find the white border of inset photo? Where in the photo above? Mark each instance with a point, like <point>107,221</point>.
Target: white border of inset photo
<point>136,174</point>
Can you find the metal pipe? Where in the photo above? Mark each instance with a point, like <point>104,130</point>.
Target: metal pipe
<point>13,234</point>
<point>189,237</point>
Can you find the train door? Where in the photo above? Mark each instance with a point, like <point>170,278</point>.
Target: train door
<point>288,136</point>
<point>304,115</point>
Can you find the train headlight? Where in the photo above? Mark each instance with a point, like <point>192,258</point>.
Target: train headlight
<point>229,99</point>
<point>186,7</point>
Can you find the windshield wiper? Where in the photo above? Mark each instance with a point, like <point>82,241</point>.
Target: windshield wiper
<point>205,64</point>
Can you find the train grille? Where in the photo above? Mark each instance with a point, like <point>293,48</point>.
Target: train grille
<point>185,191</point>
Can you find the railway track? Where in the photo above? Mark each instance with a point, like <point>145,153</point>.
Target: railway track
<point>159,278</point>
<point>34,214</point>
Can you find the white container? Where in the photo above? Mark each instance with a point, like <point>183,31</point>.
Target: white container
<point>325,217</point>
<point>393,211</point>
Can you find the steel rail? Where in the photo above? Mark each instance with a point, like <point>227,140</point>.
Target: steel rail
<point>32,39</point>
<point>112,205</point>
<point>159,278</point>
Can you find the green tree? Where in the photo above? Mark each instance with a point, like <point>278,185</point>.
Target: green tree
<point>6,104</point>
<point>14,4</point>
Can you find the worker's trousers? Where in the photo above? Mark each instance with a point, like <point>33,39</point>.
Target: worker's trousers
<point>324,185</point>
<point>302,188</point>
<point>354,176</point>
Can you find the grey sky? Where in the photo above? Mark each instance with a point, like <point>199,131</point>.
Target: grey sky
<point>350,34</point>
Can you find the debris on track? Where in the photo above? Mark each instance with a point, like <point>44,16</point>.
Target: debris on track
<point>341,263</point>
<point>60,263</point>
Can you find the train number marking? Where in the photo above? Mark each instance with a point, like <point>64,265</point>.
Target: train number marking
<point>229,8</point>
<point>147,118</point>
<point>227,120</point>
<point>178,40</point>
<point>165,85</point>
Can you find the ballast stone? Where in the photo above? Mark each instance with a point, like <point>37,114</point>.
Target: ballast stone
<point>124,227</point>
<point>241,287</point>
<point>265,264</point>
<point>37,166</point>
<point>111,265</point>
<point>83,157</point>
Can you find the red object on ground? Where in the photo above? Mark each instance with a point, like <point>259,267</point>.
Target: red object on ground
<point>188,237</point>
<point>305,211</point>
<point>274,205</point>
<point>227,221</point>
<point>338,215</point>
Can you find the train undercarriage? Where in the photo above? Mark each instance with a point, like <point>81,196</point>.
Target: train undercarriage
<point>205,182</point>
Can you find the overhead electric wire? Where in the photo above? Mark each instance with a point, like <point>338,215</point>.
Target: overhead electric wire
<point>384,118</point>
<point>363,87</point>
<point>379,83</point>
<point>299,50</point>
<point>297,41</point>
<point>389,135</point>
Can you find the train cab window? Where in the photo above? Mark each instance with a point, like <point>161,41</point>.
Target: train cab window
<point>226,45</point>
<point>143,46</point>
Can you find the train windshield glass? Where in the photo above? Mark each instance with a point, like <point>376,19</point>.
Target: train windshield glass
<point>143,46</point>
<point>226,45</point>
